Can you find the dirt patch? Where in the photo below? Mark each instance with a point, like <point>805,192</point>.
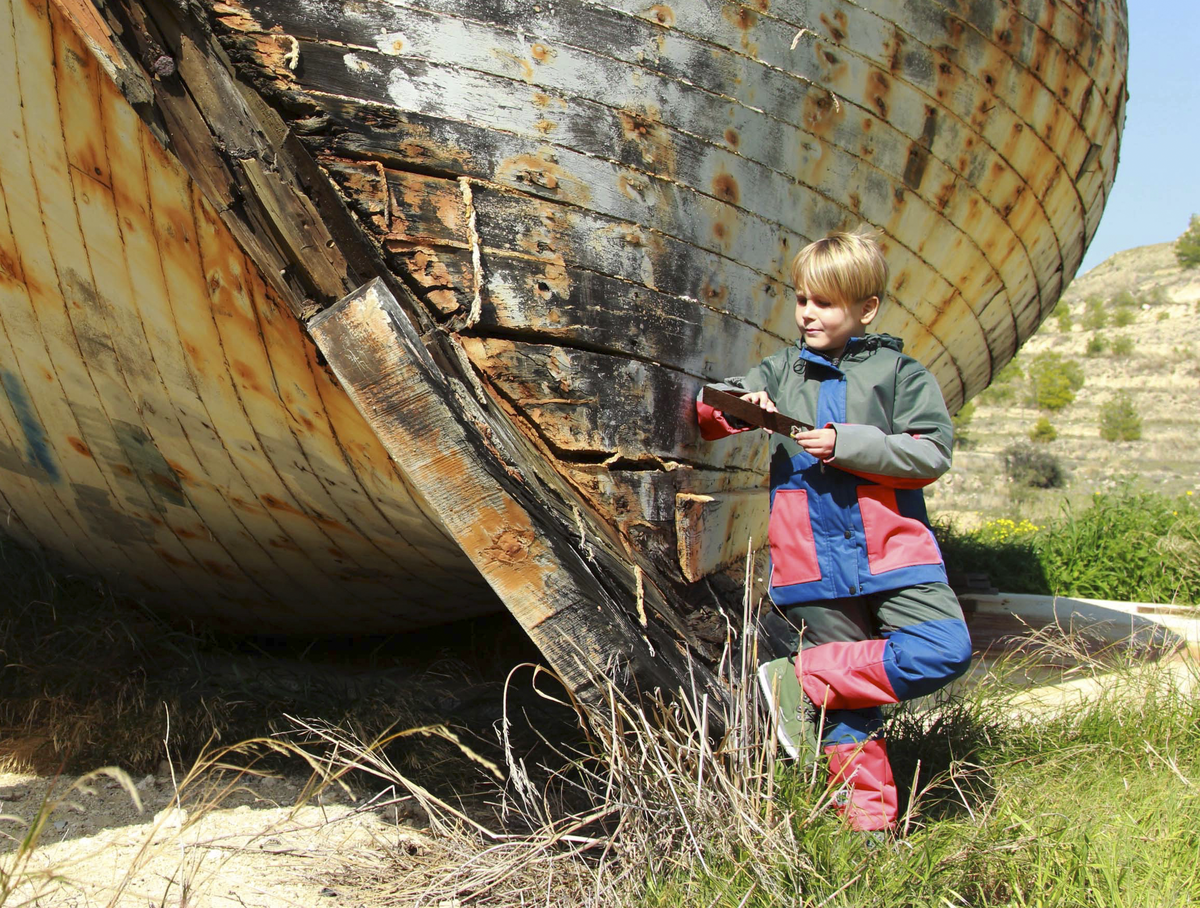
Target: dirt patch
<point>263,846</point>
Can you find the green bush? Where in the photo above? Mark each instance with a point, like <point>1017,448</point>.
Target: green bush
<point>1122,346</point>
<point>1187,247</point>
<point>1054,381</point>
<point>1139,547</point>
<point>1027,466</point>
<point>1096,345</point>
<point>1123,317</point>
<point>1162,316</point>
<point>1001,389</point>
<point>1062,316</point>
<point>1094,315</point>
<point>1003,549</point>
<point>1133,547</point>
<point>1119,420</point>
<point>1123,300</point>
<point>1043,431</point>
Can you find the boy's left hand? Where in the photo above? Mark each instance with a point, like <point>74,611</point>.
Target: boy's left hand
<point>817,442</point>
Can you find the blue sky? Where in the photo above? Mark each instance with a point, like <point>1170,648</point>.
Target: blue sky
<point>1158,180</point>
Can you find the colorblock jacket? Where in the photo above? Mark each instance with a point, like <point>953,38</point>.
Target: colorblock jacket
<point>855,523</point>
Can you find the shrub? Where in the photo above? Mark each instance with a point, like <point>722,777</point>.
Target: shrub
<point>1054,381</point>
<point>1094,316</point>
<point>1062,316</point>
<point>1123,300</point>
<point>1122,346</point>
<point>1132,547</point>
<point>1001,389</point>
<point>1095,346</point>
<point>1123,317</point>
<point>1043,431</point>
<point>1003,549</point>
<point>1162,316</point>
<point>1187,247</point>
<point>1124,546</point>
<point>1034,469</point>
<point>1119,421</point>
<point>962,422</point>
<point>997,394</point>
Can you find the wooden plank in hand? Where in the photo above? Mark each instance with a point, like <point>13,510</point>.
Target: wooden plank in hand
<point>732,405</point>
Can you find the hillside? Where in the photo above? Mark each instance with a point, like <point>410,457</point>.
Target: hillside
<point>1150,344</point>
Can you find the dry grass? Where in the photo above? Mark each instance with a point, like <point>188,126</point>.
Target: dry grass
<point>649,796</point>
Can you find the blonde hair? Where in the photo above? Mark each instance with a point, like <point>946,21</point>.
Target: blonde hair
<point>843,268</point>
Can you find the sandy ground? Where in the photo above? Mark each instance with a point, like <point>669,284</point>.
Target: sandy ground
<point>258,849</point>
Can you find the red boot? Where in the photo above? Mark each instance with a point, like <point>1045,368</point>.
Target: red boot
<point>868,799</point>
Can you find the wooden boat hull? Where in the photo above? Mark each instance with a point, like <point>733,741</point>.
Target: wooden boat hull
<point>579,211</point>
<point>164,418</point>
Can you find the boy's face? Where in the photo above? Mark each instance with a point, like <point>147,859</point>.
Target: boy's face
<point>827,325</point>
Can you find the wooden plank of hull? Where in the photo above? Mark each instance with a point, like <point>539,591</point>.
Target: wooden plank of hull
<point>557,570</point>
<point>114,338</point>
<point>628,252</point>
<point>583,308</point>
<point>589,405</point>
<point>429,213</point>
<point>719,529</point>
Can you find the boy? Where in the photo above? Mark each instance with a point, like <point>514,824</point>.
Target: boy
<point>854,565</point>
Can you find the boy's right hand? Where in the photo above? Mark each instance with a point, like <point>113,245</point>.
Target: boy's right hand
<point>761,399</point>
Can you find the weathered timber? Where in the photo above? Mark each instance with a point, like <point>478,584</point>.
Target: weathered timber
<point>591,406</point>
<point>732,405</point>
<point>718,529</point>
<point>544,552</point>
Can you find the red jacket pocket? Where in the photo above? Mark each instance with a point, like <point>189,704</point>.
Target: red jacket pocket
<point>793,552</point>
<point>893,541</point>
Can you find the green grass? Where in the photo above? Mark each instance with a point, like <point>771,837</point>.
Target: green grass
<point>1090,807</point>
<point>1129,546</point>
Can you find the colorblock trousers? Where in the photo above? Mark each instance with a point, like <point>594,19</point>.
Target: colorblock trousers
<point>860,653</point>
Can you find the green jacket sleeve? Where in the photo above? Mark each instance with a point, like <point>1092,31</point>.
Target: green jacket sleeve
<point>917,450</point>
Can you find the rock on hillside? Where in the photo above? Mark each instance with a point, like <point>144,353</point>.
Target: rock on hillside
<point>1156,360</point>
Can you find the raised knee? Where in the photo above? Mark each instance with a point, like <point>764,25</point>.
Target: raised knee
<point>929,656</point>
<point>957,657</point>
